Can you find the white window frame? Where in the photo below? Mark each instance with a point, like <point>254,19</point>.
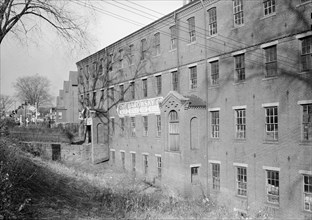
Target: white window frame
<point>159,165</point>
<point>145,163</point>
<point>240,122</point>
<point>157,43</point>
<point>269,7</point>
<point>302,104</point>
<point>241,179</point>
<point>158,125</point>
<point>212,21</point>
<point>193,76</point>
<point>215,127</point>
<point>145,125</point>
<point>307,196</point>
<point>216,180</point>
<point>272,187</point>
<point>191,29</point>
<point>132,127</point>
<point>238,12</point>
<point>273,124</point>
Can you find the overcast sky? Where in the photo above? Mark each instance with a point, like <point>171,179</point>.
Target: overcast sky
<point>46,55</point>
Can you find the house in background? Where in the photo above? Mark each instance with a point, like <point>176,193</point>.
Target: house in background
<point>66,110</point>
<point>213,98</point>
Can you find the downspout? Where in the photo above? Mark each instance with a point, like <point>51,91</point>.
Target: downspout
<point>206,81</point>
<point>178,54</point>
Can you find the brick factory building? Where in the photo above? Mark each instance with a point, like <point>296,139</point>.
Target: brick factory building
<point>214,98</point>
<point>67,101</point>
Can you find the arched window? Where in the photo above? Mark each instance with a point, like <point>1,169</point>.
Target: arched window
<point>174,134</point>
<point>100,134</point>
<point>194,130</point>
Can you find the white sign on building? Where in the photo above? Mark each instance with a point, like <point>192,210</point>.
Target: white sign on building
<point>139,107</point>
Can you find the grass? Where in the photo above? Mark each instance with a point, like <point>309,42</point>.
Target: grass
<point>32,188</point>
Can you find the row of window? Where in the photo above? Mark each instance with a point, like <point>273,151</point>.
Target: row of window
<point>272,184</point>
<point>271,125</point>
<point>145,160</point>
<point>272,178</point>
<point>271,122</point>
<point>132,123</point>
<point>271,70</point>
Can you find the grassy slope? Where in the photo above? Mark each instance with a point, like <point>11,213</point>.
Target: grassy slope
<point>40,189</point>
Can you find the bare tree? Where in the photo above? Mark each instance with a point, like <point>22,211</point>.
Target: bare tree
<point>16,16</point>
<point>109,66</point>
<point>6,103</point>
<point>33,89</point>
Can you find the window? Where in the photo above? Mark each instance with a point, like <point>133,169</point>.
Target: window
<point>145,125</point>
<point>306,53</point>
<point>143,49</point>
<point>112,126</point>
<point>307,122</point>
<point>158,124</point>
<point>94,98</point>
<point>121,90</point>
<point>215,124</point>
<point>215,176</point>
<point>122,126</point>
<point>145,163</point>
<point>270,61</point>
<point>131,54</point>
<point>133,161</point>
<point>158,85</point>
<point>239,67</point>
<point>193,77</point>
<point>269,7</point>
<point>94,71</point>
<point>240,115</point>
<point>212,14</point>
<point>157,43</point>
<point>158,166</point>
<point>60,115</point>
<point>111,62</point>
<point>238,12</point>
<point>132,126</point>
<point>111,94</point>
<point>102,95</point>
<point>272,186</point>
<point>113,158</point>
<point>307,192</point>
<point>241,181</point>
<point>88,71</point>
<point>101,67</point>
<point>175,80</point>
<point>214,72</point>
<point>174,134</point>
<point>144,81</point>
<point>123,161</point>
<point>132,90</point>
<point>194,174</point>
<point>121,57</point>
<point>173,37</point>
<point>271,123</point>
<point>88,99</point>
<point>191,25</point>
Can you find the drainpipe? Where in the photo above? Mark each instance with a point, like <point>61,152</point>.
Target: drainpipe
<point>178,54</point>
<point>206,79</point>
